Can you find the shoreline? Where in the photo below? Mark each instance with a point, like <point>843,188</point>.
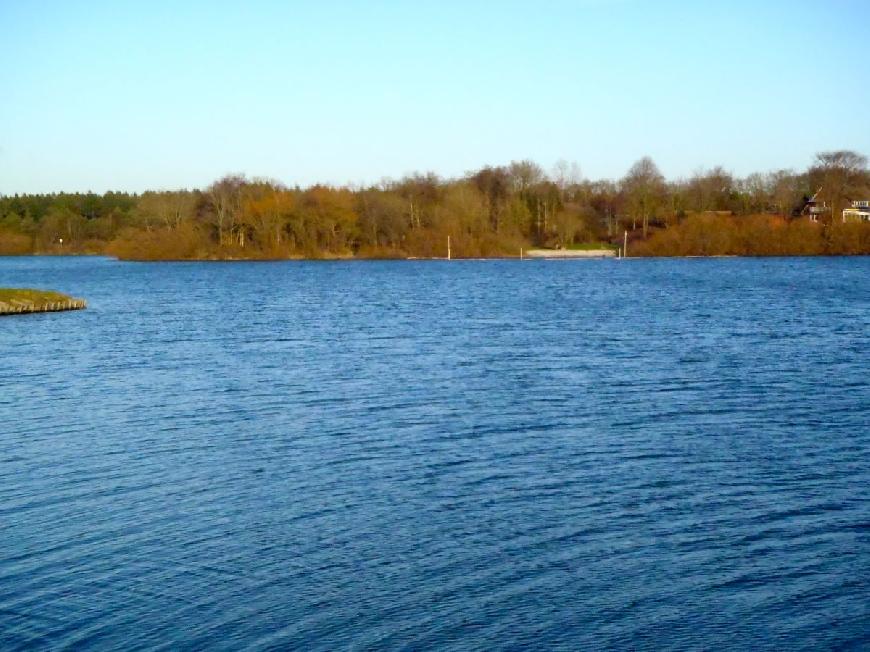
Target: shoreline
<point>556,255</point>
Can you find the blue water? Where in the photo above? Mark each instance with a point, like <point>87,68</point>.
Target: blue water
<point>466,455</point>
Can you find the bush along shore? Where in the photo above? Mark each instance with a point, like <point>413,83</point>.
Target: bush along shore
<point>24,301</point>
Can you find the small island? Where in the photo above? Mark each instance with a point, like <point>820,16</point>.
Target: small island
<point>15,301</point>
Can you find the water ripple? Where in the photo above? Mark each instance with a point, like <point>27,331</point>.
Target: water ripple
<point>490,455</point>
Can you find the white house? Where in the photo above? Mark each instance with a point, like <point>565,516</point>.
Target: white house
<point>859,212</point>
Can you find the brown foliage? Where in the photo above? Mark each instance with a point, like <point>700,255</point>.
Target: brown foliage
<point>184,243</point>
<point>15,244</point>
<point>848,239</point>
<point>494,211</point>
<point>755,235</point>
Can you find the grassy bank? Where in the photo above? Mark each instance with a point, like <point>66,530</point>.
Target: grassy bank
<point>22,300</point>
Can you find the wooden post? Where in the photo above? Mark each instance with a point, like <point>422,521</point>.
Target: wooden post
<point>625,245</point>
<point>448,248</point>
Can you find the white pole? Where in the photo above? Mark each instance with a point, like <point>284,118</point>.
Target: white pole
<point>521,253</point>
<point>448,247</point>
<point>625,245</point>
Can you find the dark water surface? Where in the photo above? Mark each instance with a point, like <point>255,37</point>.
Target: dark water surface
<point>660,454</point>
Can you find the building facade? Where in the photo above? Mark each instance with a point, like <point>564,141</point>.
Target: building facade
<point>859,211</point>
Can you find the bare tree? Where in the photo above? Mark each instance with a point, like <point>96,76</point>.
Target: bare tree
<point>841,174</point>
<point>170,208</point>
<point>493,183</point>
<point>644,188</point>
<point>785,190</point>
<point>756,192</point>
<point>421,191</point>
<point>225,196</point>
<point>524,175</point>
<point>711,189</point>
<point>566,175</point>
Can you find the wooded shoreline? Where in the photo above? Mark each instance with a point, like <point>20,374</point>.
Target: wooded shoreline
<point>517,257</point>
<point>489,213</point>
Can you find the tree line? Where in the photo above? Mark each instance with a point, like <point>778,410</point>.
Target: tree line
<point>493,211</point>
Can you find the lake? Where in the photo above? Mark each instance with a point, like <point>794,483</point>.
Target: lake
<point>462,455</point>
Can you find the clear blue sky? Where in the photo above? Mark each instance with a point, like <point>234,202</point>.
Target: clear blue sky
<point>135,95</point>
